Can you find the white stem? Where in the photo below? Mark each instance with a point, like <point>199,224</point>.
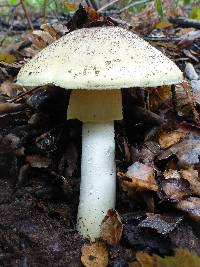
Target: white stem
<point>98,177</point>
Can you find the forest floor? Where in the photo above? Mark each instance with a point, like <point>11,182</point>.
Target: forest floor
<point>156,221</point>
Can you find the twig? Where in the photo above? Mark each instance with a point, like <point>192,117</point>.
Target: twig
<point>10,107</point>
<point>27,14</point>
<point>120,21</point>
<point>132,5</point>
<point>185,22</point>
<point>162,39</point>
<point>174,98</point>
<point>20,96</point>
<point>107,5</point>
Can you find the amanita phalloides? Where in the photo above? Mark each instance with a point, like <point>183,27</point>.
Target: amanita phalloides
<point>96,63</point>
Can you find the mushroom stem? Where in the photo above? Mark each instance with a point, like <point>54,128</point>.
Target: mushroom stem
<point>98,177</point>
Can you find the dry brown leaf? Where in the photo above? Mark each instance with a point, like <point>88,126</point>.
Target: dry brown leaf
<point>111,227</point>
<point>163,24</point>
<point>42,39</point>
<point>7,89</point>
<point>187,152</point>
<point>60,29</point>
<point>166,45</point>
<point>158,96</point>
<point>182,258</point>
<point>167,139</point>
<point>8,58</point>
<point>71,6</point>
<point>192,177</point>
<point>94,255</point>
<point>147,260</point>
<point>191,205</point>
<point>48,28</point>
<point>188,38</point>
<point>92,14</point>
<point>174,189</point>
<point>134,264</point>
<point>140,177</point>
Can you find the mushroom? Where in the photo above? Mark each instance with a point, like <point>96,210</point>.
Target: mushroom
<point>96,63</point>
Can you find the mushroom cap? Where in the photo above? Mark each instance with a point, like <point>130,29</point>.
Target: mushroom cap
<point>100,58</point>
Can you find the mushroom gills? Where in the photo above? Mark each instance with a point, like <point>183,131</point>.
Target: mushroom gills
<point>95,105</point>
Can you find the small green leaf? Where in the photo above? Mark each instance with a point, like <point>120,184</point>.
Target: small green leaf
<point>159,8</point>
<point>195,13</point>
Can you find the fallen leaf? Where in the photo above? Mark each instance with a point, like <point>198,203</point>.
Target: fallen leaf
<point>162,224</point>
<point>140,177</point>
<point>7,89</point>
<point>49,28</point>
<point>71,6</point>
<point>159,96</point>
<point>41,39</point>
<point>192,176</point>
<point>111,228</point>
<point>147,260</point>
<point>167,139</point>
<point>93,15</point>
<point>134,264</point>
<point>163,24</point>
<point>166,45</point>
<point>8,58</point>
<point>191,205</point>
<point>94,255</point>
<point>182,257</point>
<point>188,38</point>
<point>174,189</point>
<point>195,13</point>
<point>187,152</point>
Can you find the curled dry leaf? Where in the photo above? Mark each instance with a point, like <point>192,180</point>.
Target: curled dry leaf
<point>111,227</point>
<point>187,152</point>
<point>188,38</point>
<point>41,39</point>
<point>71,6</point>
<point>94,255</point>
<point>146,260</point>
<point>140,177</point>
<point>191,205</point>
<point>174,189</point>
<point>192,177</point>
<point>7,89</point>
<point>160,223</point>
<point>168,139</point>
<point>49,29</point>
<point>159,96</point>
<point>182,257</point>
